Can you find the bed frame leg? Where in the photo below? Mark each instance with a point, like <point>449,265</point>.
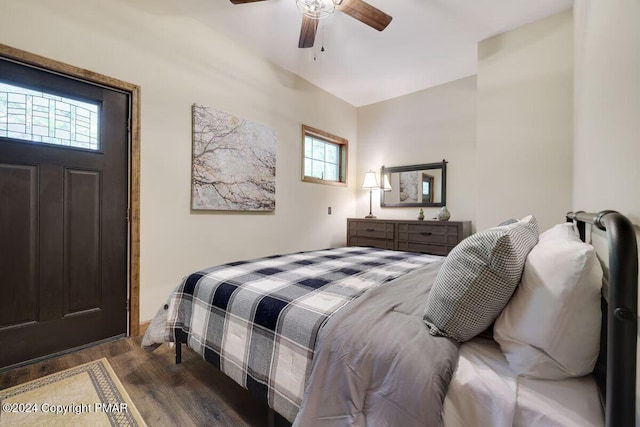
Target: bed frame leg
<point>178,353</point>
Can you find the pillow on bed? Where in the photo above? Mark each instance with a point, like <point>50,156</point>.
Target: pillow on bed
<point>477,279</point>
<point>551,327</point>
<point>565,230</point>
<point>508,221</point>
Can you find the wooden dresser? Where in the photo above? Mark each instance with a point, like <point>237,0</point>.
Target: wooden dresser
<point>432,237</point>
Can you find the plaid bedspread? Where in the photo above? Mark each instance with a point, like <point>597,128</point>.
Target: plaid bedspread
<point>257,321</point>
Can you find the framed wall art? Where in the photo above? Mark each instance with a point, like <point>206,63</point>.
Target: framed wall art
<point>233,163</point>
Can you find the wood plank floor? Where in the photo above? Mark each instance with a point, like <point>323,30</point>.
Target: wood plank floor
<point>193,393</point>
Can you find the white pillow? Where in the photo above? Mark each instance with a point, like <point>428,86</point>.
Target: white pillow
<point>551,327</point>
<point>565,231</point>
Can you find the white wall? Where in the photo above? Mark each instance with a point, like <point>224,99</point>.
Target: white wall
<point>607,107</point>
<point>178,61</point>
<point>606,152</point>
<point>524,117</point>
<point>423,127</point>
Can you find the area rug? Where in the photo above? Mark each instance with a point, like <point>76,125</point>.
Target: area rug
<point>85,395</point>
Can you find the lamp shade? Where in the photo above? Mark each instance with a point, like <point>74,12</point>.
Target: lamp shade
<point>386,186</point>
<point>370,181</point>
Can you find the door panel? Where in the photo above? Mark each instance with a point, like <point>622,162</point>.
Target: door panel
<point>19,231</point>
<point>82,263</point>
<point>63,229</point>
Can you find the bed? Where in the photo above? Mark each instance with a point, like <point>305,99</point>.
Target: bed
<point>341,337</point>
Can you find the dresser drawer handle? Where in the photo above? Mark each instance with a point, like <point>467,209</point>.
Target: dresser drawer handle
<point>370,230</point>
<point>424,233</point>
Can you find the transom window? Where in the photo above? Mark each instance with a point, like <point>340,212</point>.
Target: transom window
<point>37,116</point>
<point>324,157</point>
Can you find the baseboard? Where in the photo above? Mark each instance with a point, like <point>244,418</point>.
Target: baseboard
<point>143,327</point>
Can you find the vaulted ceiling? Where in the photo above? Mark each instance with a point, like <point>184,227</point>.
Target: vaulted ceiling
<point>428,42</point>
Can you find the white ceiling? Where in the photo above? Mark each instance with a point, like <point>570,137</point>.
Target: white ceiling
<point>428,42</point>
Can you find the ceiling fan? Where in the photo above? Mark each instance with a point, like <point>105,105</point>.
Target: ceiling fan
<point>313,10</point>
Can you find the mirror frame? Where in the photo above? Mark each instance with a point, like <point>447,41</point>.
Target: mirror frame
<point>425,166</point>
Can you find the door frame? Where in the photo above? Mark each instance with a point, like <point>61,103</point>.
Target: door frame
<point>133,322</point>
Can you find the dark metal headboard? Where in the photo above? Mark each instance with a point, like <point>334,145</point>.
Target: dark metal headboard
<point>615,370</point>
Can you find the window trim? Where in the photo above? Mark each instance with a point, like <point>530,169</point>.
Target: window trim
<point>333,139</point>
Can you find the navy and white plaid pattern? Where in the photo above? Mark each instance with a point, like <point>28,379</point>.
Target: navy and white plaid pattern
<point>257,321</point>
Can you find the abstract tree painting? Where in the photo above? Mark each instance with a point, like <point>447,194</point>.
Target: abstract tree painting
<point>409,184</point>
<point>234,163</point>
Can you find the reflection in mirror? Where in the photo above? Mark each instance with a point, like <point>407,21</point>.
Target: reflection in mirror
<point>415,185</point>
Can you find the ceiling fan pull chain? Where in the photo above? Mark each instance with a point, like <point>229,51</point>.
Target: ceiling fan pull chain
<point>315,46</point>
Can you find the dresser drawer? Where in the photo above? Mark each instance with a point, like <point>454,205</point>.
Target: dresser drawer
<point>424,248</point>
<point>372,229</point>
<point>372,243</point>
<point>439,233</point>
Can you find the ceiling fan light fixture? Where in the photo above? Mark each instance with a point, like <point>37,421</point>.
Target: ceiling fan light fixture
<point>317,9</point>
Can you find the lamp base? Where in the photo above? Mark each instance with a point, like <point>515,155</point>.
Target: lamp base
<point>370,216</point>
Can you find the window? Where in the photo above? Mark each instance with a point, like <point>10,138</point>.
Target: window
<point>38,116</point>
<point>324,158</point>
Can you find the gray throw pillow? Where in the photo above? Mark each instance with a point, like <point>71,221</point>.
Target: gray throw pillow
<point>478,278</point>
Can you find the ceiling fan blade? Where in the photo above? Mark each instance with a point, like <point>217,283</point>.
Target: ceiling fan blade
<point>308,32</point>
<point>365,13</point>
<point>244,1</point>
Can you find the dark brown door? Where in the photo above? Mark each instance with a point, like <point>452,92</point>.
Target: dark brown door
<point>63,214</point>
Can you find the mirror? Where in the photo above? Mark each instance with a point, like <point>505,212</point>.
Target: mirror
<point>415,185</point>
